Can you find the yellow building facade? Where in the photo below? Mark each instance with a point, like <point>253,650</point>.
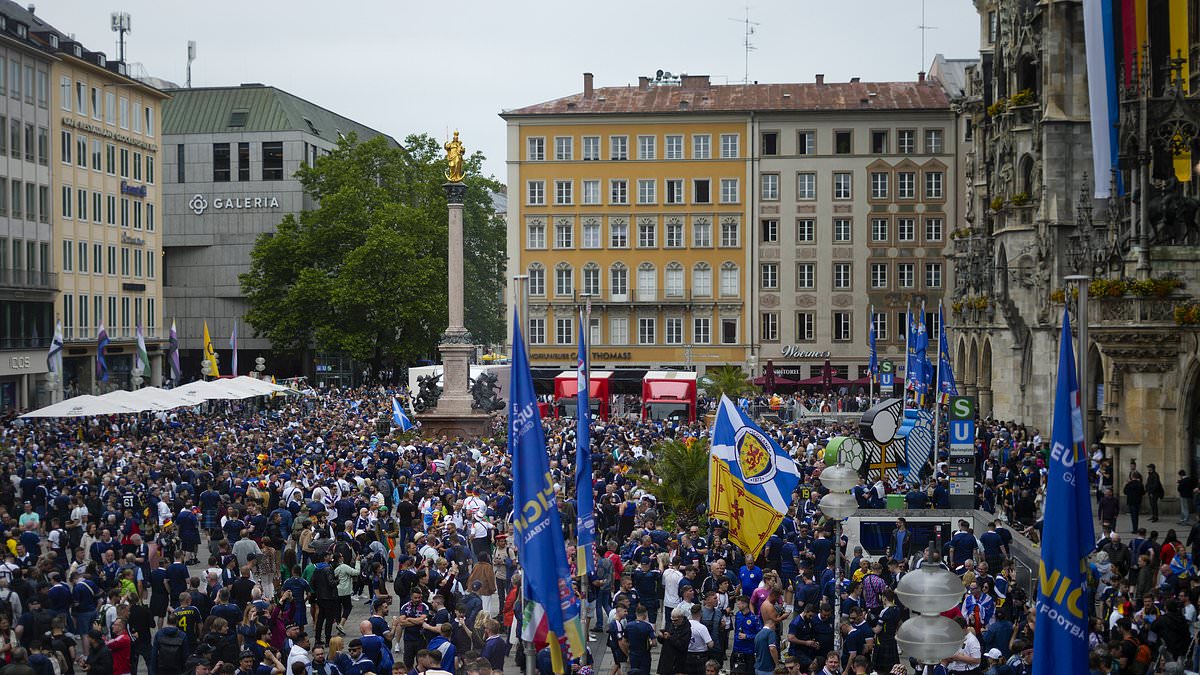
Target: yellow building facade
<point>644,217</point>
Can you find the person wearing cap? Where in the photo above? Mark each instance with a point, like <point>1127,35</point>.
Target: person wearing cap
<point>99,658</point>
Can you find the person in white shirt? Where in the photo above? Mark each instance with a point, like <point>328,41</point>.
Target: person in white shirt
<point>299,652</point>
<point>670,582</point>
<point>969,655</point>
<point>700,642</point>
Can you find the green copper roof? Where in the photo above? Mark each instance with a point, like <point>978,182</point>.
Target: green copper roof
<point>259,108</point>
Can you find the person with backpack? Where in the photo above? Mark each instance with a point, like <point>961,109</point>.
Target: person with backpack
<point>170,649</point>
<point>325,592</point>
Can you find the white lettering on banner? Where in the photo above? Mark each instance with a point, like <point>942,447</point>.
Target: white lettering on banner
<point>20,362</point>
<point>199,204</point>
<point>794,352</point>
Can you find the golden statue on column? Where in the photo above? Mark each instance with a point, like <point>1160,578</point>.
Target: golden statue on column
<point>454,159</point>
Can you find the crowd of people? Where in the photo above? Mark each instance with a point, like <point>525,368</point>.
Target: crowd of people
<point>298,537</point>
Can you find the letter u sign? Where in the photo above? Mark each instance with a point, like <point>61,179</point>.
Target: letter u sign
<point>961,432</point>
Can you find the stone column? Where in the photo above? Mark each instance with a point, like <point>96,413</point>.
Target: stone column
<point>456,346</point>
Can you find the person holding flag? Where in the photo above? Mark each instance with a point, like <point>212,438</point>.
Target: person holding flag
<point>399,419</point>
<point>585,516</point>
<point>1060,642</point>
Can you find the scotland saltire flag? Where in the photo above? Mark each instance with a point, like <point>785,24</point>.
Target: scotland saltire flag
<point>946,385</point>
<point>585,524</point>
<point>751,479</point>
<point>173,355</point>
<point>399,419</point>
<point>101,349</point>
<point>54,357</point>
<point>873,363</point>
<point>1060,642</point>
<point>538,525</point>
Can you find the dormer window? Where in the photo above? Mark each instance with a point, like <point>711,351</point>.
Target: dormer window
<point>22,30</point>
<point>3,22</point>
<point>54,41</point>
<point>78,49</point>
<point>101,61</point>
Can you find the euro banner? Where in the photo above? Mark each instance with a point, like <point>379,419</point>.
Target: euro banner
<point>751,479</point>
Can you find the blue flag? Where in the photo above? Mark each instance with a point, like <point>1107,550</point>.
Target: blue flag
<point>873,363</point>
<point>912,364</point>
<point>921,349</point>
<point>537,523</point>
<point>399,419</point>
<point>585,524</point>
<point>1060,642</point>
<point>946,385</point>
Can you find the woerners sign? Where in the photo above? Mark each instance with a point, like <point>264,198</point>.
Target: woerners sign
<point>199,203</point>
<point>794,352</point>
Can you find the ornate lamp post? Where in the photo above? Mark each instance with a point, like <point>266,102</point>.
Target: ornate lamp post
<point>929,637</point>
<point>839,504</point>
<point>260,364</point>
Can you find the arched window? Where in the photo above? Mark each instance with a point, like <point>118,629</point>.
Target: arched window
<point>537,280</point>
<point>618,282</point>
<point>591,279</point>
<point>647,282</point>
<point>564,281</point>
<point>730,286</point>
<point>702,281</point>
<point>673,280</point>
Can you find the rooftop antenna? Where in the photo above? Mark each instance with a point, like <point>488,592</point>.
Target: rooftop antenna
<point>749,28</point>
<point>120,26</point>
<point>923,28</point>
<point>191,57</point>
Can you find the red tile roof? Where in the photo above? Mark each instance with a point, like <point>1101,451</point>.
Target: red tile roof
<point>736,98</point>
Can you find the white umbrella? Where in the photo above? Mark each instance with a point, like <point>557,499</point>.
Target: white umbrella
<point>261,387</point>
<point>149,398</point>
<point>202,391</point>
<point>85,405</point>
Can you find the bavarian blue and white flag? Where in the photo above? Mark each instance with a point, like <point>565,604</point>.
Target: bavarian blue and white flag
<point>1060,641</point>
<point>399,419</point>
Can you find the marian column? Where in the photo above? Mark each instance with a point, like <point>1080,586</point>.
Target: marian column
<point>456,345</point>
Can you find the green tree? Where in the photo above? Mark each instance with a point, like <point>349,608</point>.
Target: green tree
<point>365,271</point>
<point>680,479</point>
<point>731,381</point>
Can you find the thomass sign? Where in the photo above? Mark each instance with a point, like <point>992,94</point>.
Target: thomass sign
<point>199,204</point>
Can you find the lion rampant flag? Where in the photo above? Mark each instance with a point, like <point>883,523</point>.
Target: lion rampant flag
<point>751,480</point>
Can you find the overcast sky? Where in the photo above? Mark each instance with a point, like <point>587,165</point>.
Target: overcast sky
<point>405,67</point>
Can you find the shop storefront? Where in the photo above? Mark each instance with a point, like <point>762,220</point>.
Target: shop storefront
<point>23,379</point>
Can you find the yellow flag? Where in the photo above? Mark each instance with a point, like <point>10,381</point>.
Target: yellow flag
<point>210,354</point>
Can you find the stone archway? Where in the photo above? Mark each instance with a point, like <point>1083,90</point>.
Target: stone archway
<point>1191,425</point>
<point>985,379</point>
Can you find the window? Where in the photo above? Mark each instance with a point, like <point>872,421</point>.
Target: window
<point>805,327</point>
<point>906,185</point>
<point>674,145</point>
<point>564,281</point>
<point>906,141</point>
<point>564,148</point>
<point>769,324</point>
<point>124,212</point>
<point>537,281</point>
<point>220,162</point>
<point>701,191</point>
<point>645,331</point>
<point>618,191</point>
<point>842,275</point>
<point>111,203</point>
<point>843,142</point>
<point>933,229</point>
<point>906,229</point>
<point>64,90</point>
<point>646,147</point>
<point>29,147</point>
<point>618,330</point>
<point>702,281</point>
<point>564,233</point>
<point>83,256</point>
<point>841,327</point>
<point>124,113</point>
<point>701,330</point>
<point>770,143</point>
<point>97,208</point>
<point>563,192</point>
<point>591,233</point>
<point>537,331</point>
<point>618,233</point>
<point>591,148</point>
<point>701,233</point>
<point>150,217</point>
<point>933,184</point>
<point>536,193</point>
<point>591,279</point>
<point>647,188</point>
<point>769,276</point>
<point>68,255</point>
<point>96,113</point>
<point>770,231</point>
<point>674,188</point>
<point>879,275</point>
<point>843,229</point>
<point>148,114</point>
<point>674,233</point>
<point>880,323</point>
<point>879,185</point>
<point>14,81</point>
<point>137,263</point>
<point>17,212</point>
<point>805,276</point>
<point>97,264</point>
<point>729,281</point>
<point>647,282</point>
<point>806,186</point>
<point>729,146</point>
<point>67,145</point>
<point>137,215</point>
<point>272,160</point>
<point>729,331</point>
<point>618,147</point>
<point>647,233</point>
<point>243,162</point>
<point>124,163</point>
<point>879,229</point>
<point>536,149</point>
<point>730,236</point>
<point>618,281</point>
<point>770,187</point>
<point>933,275</point>
<point>993,27</point>
<point>805,230</point>
<point>30,196</point>
<point>180,164</point>
<point>564,331</point>
<point>842,182</point>
<point>14,142</point>
<point>97,153</point>
<point>81,204</point>
<point>591,192</point>
<point>879,142</point>
<point>701,146</point>
<point>904,275</point>
<point>933,141</point>
<point>535,233</point>
<point>968,130</point>
<point>806,142</point>
<point>673,280</point>
<point>729,190</point>
<point>124,261</point>
<point>43,146</point>
<point>67,201</point>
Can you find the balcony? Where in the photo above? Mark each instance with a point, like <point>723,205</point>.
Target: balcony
<point>34,280</point>
<point>1132,310</point>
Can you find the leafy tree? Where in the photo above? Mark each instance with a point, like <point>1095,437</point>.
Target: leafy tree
<point>364,272</point>
<point>680,482</point>
<point>731,381</point>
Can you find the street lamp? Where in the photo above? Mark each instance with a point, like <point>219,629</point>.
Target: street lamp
<point>839,505</point>
<point>929,637</point>
<point>260,364</point>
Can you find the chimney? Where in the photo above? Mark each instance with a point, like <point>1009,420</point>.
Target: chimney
<point>31,8</point>
<point>820,78</point>
<point>643,83</point>
<point>694,81</point>
<point>921,76</point>
<point>587,85</point>
<point>854,80</point>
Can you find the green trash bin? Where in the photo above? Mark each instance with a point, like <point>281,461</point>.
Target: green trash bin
<point>895,502</point>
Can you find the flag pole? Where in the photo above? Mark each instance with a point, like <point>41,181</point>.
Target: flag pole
<point>907,358</point>
<point>520,299</point>
<point>871,374</point>
<point>937,403</point>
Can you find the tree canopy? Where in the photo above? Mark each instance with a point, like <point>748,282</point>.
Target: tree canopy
<point>364,272</point>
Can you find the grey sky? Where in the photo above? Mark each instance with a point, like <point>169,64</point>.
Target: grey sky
<point>405,67</point>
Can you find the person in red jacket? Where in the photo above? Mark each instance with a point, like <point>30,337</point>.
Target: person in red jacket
<point>120,645</point>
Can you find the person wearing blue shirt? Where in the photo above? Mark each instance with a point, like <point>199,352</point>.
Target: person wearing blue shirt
<point>648,583</point>
<point>766,649</point>
<point>86,596</point>
<point>916,498</point>
<point>750,576</point>
<point>859,636</point>
<point>58,598</point>
<point>901,540</point>
<point>746,625</point>
<point>994,549</point>
<point>639,636</point>
<point>821,549</point>
<point>941,495</point>
<point>962,544</point>
<point>444,647</point>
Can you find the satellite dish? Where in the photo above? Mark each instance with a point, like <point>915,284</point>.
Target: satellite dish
<point>659,74</point>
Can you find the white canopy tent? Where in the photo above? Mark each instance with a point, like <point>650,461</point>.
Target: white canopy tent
<point>85,405</point>
<point>154,399</point>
